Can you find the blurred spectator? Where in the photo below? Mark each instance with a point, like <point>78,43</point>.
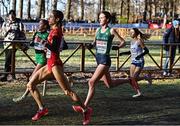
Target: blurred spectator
<point>172,35</point>
<point>12,30</point>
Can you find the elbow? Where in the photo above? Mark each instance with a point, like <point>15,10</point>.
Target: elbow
<point>146,50</point>
<point>123,43</point>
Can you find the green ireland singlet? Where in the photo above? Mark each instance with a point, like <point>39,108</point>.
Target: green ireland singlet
<point>104,41</point>
<point>37,38</point>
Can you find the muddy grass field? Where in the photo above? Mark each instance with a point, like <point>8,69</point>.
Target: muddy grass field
<point>160,104</point>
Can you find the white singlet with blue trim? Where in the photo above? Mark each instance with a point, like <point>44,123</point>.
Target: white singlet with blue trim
<point>136,50</point>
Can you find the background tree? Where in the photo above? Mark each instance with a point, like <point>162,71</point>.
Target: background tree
<point>13,4</point>
<point>43,11</point>
<point>102,5</point>
<point>53,4</point>
<point>39,8</point>
<point>29,9</point>
<point>128,10</point>
<point>74,11</point>
<point>4,6</point>
<point>121,9</point>
<point>68,8</point>
<point>20,9</point>
<point>82,9</point>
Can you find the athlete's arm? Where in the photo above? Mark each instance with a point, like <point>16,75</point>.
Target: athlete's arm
<point>32,42</point>
<point>91,45</point>
<point>121,40</point>
<point>145,49</point>
<point>125,53</point>
<point>54,47</point>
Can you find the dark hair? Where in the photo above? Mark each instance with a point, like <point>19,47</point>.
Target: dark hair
<point>142,35</point>
<point>58,14</point>
<point>12,12</point>
<point>107,15</point>
<point>45,22</point>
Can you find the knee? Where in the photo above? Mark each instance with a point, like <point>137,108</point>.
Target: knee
<point>91,83</point>
<point>132,78</point>
<point>29,87</point>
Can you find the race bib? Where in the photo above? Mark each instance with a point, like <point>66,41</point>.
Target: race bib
<point>48,53</point>
<point>38,46</point>
<point>101,47</point>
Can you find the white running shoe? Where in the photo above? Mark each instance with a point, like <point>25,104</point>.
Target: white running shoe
<point>136,95</point>
<point>164,73</point>
<point>18,99</point>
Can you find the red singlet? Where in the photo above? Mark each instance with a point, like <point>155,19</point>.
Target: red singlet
<point>54,40</point>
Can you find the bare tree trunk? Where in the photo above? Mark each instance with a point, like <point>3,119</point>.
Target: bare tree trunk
<point>82,10</point>
<point>13,3</point>
<point>155,7</point>
<point>166,7</point>
<point>47,8</point>
<point>20,10</point>
<point>43,9</point>
<point>100,4</point>
<point>53,4</point>
<point>4,6</point>
<point>103,5</point>
<point>172,9</point>
<point>122,6</point>
<point>68,8</point>
<point>114,7</point>
<point>145,10</point>
<point>150,9</point>
<point>29,10</point>
<point>134,14</point>
<point>177,7</point>
<point>39,8</point>
<point>97,11</point>
<point>128,10</point>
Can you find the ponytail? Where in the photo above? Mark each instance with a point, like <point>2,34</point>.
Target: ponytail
<point>142,35</point>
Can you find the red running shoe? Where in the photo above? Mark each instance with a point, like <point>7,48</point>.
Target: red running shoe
<point>87,116</point>
<point>39,114</point>
<point>77,108</point>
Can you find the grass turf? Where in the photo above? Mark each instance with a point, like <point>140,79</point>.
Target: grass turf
<point>160,105</point>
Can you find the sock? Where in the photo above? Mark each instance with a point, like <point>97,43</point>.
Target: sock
<point>134,84</point>
<point>41,108</point>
